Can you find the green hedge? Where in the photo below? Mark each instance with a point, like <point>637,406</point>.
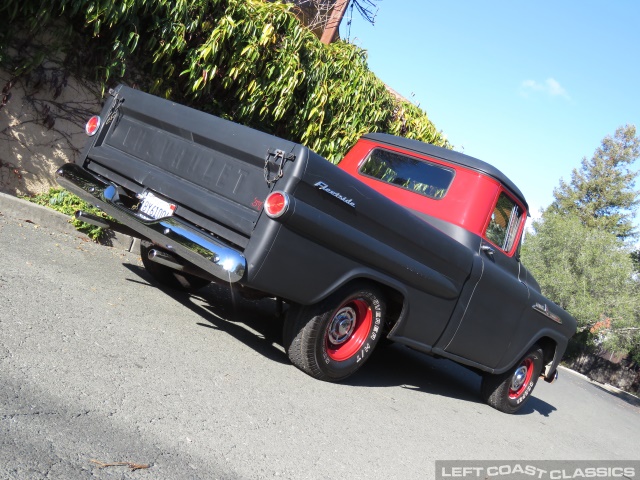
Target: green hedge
<point>250,61</point>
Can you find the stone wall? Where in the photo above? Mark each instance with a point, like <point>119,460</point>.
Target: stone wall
<point>42,117</point>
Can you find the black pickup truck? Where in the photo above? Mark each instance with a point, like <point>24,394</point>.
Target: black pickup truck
<point>402,240</point>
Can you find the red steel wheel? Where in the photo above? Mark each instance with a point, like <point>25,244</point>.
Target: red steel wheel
<point>509,391</point>
<point>521,378</point>
<point>333,338</point>
<point>348,330</point>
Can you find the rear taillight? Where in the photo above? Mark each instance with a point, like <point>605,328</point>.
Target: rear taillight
<point>92,125</point>
<point>276,204</point>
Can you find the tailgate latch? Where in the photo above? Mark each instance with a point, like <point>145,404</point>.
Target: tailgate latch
<point>117,101</point>
<point>275,160</point>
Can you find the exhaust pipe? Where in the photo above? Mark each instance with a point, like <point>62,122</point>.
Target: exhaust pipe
<point>105,223</point>
<point>170,261</point>
<point>165,259</point>
<point>551,379</point>
<point>92,219</point>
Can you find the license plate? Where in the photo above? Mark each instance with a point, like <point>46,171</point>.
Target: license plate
<point>156,208</point>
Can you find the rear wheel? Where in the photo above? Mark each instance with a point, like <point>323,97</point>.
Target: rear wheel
<point>509,391</point>
<point>333,338</point>
<point>168,276</point>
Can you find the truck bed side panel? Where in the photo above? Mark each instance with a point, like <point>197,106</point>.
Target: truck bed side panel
<point>324,241</point>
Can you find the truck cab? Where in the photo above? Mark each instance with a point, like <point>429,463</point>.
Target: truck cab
<point>444,185</point>
<point>478,206</point>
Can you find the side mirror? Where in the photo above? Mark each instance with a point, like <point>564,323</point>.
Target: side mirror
<point>488,250</point>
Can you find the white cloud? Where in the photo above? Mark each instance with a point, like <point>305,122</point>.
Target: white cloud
<point>531,85</point>
<point>549,87</point>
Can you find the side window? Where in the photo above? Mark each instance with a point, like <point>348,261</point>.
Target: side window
<point>420,176</point>
<point>504,223</point>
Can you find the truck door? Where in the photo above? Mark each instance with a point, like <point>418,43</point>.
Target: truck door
<point>499,297</point>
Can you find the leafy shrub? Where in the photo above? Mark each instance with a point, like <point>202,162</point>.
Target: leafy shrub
<point>250,61</point>
<point>65,202</point>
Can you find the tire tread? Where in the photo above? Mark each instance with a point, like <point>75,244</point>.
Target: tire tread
<point>304,324</point>
<point>495,388</point>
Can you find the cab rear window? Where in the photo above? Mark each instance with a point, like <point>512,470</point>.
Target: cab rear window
<point>415,174</point>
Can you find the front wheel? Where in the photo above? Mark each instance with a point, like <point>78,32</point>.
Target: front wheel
<point>509,391</point>
<point>332,339</point>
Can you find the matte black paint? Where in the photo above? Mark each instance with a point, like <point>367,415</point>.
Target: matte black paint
<point>458,301</point>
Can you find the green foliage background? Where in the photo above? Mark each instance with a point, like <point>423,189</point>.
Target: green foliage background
<point>581,249</point>
<point>586,271</point>
<point>250,61</point>
<point>602,192</point>
<point>65,202</point>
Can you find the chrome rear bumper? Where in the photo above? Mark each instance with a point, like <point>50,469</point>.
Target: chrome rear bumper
<point>182,238</point>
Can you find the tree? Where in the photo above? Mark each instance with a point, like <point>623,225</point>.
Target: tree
<point>588,272</point>
<point>580,253</point>
<point>601,193</point>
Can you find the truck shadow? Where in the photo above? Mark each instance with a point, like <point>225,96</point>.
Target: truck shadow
<point>256,324</point>
<point>253,322</point>
<point>398,366</point>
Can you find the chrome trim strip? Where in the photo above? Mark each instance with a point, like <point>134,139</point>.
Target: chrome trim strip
<point>172,233</point>
<point>544,310</point>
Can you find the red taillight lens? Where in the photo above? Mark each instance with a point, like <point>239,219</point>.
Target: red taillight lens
<point>92,125</point>
<point>276,204</point>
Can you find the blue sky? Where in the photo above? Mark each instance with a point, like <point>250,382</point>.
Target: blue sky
<point>530,87</point>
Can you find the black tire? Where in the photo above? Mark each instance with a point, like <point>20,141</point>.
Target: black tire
<point>167,276</point>
<point>333,338</point>
<point>509,391</point>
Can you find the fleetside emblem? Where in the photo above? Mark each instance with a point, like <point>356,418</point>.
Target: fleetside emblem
<point>325,188</point>
<point>544,310</point>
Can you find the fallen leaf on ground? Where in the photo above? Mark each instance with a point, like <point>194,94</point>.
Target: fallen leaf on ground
<point>131,465</point>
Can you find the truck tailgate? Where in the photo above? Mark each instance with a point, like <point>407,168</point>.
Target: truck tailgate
<point>213,166</point>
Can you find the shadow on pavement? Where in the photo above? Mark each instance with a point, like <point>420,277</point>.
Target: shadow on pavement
<point>221,310</point>
<point>398,366</point>
<point>536,405</point>
<point>391,366</point>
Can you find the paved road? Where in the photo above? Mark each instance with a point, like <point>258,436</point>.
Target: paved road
<point>96,363</point>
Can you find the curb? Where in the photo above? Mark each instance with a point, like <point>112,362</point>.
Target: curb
<point>25,211</point>
<point>629,397</point>
<point>573,372</point>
